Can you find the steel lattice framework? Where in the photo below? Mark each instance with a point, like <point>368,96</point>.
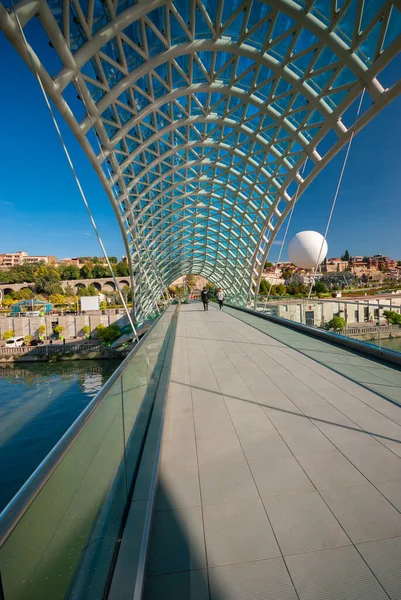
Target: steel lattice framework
<point>198,115</point>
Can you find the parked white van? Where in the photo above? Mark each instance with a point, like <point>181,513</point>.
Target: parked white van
<point>15,342</point>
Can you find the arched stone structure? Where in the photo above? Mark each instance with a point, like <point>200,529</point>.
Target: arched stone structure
<point>6,288</point>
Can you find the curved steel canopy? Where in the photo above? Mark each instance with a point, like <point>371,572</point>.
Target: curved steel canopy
<point>204,113</point>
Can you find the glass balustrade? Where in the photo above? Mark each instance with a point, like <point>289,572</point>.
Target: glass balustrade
<point>60,534</point>
<point>363,320</point>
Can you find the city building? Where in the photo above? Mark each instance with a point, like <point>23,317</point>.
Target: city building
<point>334,265</point>
<point>16,259</point>
<point>70,261</point>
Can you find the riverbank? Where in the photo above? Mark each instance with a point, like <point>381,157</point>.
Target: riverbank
<point>60,352</point>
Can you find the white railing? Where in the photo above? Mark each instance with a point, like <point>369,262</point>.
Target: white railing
<point>52,349</point>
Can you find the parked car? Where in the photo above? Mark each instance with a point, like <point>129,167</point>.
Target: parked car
<point>15,342</point>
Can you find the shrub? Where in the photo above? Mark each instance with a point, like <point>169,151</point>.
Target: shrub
<point>108,335</point>
<point>320,288</point>
<point>58,329</point>
<point>27,340</point>
<point>8,334</point>
<point>57,299</point>
<point>392,317</point>
<point>337,323</point>
<point>8,300</point>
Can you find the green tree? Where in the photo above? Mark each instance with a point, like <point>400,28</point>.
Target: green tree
<point>108,335</point>
<point>127,293</point>
<point>281,289</point>
<point>68,272</point>
<point>113,260</point>
<point>82,291</point>
<point>27,340</point>
<point>26,294</point>
<point>264,287</point>
<point>190,280</point>
<point>346,256</point>
<point>268,265</point>
<point>86,272</point>
<point>92,291</point>
<point>297,289</point>
<point>100,271</point>
<point>320,288</point>
<point>42,330</point>
<point>122,269</point>
<point>47,280</point>
<point>337,323</point>
<point>8,334</point>
<point>52,287</point>
<point>86,329</point>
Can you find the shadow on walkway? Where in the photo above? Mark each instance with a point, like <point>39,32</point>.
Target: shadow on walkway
<point>290,412</point>
<point>176,566</point>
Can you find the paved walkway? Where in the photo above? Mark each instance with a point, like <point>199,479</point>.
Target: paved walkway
<point>370,373</point>
<point>280,478</point>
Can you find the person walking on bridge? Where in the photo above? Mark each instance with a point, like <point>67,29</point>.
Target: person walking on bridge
<point>220,298</point>
<point>205,298</point>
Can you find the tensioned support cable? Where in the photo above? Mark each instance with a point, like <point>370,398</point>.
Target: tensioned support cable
<point>71,164</point>
<point>337,189</point>
<point>287,227</point>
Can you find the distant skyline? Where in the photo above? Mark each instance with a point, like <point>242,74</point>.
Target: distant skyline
<point>42,213</point>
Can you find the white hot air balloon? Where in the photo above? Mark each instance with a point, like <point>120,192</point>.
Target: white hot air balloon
<point>307,249</point>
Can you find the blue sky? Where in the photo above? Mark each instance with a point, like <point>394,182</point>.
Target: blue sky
<point>41,210</point>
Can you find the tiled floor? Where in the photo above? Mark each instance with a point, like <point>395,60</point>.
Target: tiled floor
<point>280,478</point>
<point>359,369</point>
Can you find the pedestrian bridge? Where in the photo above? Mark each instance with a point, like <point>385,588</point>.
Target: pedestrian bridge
<point>228,458</point>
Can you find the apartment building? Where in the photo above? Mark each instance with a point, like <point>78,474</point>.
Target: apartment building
<point>16,259</point>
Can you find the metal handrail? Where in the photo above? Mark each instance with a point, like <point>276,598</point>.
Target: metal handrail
<point>19,504</point>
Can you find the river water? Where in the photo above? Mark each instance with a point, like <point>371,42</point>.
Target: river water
<point>38,402</point>
<point>391,344</point>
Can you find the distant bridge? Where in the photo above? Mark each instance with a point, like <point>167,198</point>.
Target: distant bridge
<point>101,284</point>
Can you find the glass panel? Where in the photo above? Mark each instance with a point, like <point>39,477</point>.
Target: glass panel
<point>64,544</point>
